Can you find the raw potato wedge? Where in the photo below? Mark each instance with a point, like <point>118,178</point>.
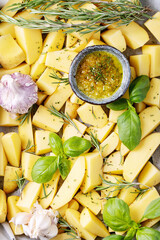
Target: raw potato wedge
<point>150,120</point>
<point>10,175</point>
<point>153,96</point>
<point>3,159</point>
<point>3,206</point>
<point>42,142</point>
<point>25,203</point>
<point>45,120</point>
<point>28,160</point>
<point>150,176</point>
<point>73,204</point>
<point>53,42</point>
<point>25,132</point>
<point>71,184</point>
<point>137,158</point>
<point>91,200</point>
<point>138,207</point>
<point>93,171</point>
<point>114,163</point>
<point>154,52</point>
<point>12,211</point>
<point>153,25</point>
<point>92,224</point>
<point>60,60</point>
<point>92,114</point>
<point>11,55</point>
<point>59,97</point>
<point>12,146</point>
<point>141,63</point>
<point>6,120</point>
<point>30,40</point>
<point>128,194</point>
<point>73,218</point>
<point>51,189</point>
<point>115,39</point>
<point>23,68</point>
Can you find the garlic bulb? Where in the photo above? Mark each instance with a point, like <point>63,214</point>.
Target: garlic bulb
<point>18,92</point>
<point>3,2</point>
<point>39,223</point>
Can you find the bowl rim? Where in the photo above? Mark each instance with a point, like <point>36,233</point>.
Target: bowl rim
<point>125,81</point>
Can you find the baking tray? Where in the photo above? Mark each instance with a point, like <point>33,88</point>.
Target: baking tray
<point>155,6</point>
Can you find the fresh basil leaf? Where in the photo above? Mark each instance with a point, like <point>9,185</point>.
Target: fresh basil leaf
<point>139,88</point>
<point>130,234</point>
<point>153,209</point>
<point>75,146</point>
<point>43,169</point>
<point>118,105</point>
<point>55,143</point>
<point>129,128</point>
<point>116,215</point>
<point>114,237</point>
<point>64,166</point>
<point>146,233</point>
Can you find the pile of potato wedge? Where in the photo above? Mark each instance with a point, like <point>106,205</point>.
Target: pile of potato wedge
<point>28,52</point>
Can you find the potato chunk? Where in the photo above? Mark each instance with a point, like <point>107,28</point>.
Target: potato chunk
<point>141,63</point>
<point>11,55</point>
<point>138,157</point>
<point>12,146</point>
<point>150,176</point>
<point>154,52</point>
<point>10,175</point>
<point>3,206</point>
<point>92,224</point>
<point>92,114</point>
<point>115,39</point>
<point>153,25</point>
<point>30,40</point>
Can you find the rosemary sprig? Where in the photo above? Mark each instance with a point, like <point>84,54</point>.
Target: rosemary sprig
<point>29,146</point>
<point>44,192</point>
<point>25,116</point>
<point>122,11</point>
<point>64,225</point>
<point>95,141</point>
<point>60,80</point>
<point>122,185</point>
<point>65,117</point>
<point>20,181</point>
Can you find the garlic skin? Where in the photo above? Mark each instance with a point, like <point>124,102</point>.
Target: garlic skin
<point>39,223</point>
<point>3,2</point>
<point>18,92</point>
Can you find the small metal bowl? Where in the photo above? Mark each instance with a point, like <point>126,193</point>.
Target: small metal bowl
<point>125,81</point>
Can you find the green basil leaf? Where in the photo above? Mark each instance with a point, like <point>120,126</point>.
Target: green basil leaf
<point>43,169</point>
<point>116,215</point>
<point>129,128</point>
<point>118,105</point>
<point>139,88</point>
<point>75,146</point>
<point>130,234</point>
<point>114,237</point>
<point>146,233</point>
<point>55,143</point>
<point>153,209</point>
<point>64,166</point>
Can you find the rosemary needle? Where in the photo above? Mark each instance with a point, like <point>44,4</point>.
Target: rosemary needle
<point>64,225</point>
<point>97,19</point>
<point>60,80</point>
<point>121,185</point>
<point>65,117</point>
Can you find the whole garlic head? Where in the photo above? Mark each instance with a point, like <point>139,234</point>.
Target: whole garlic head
<point>18,92</point>
<point>39,223</point>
